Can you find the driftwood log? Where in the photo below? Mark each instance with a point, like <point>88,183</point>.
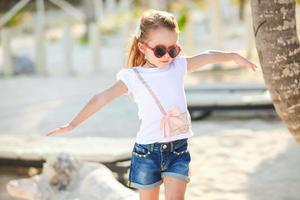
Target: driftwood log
<point>65,177</point>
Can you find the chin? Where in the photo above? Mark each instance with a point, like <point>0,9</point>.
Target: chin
<point>162,64</point>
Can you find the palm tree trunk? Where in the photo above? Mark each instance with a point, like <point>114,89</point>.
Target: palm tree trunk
<point>278,48</point>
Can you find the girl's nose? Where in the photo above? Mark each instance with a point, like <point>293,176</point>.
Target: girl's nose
<point>166,56</point>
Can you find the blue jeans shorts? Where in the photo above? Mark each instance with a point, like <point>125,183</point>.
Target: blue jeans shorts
<point>151,162</point>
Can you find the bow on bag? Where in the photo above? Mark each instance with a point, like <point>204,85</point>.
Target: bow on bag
<point>173,121</point>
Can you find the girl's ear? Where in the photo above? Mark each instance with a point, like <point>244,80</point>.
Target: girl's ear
<point>141,47</point>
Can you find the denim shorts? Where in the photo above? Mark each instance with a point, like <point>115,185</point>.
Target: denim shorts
<point>151,162</point>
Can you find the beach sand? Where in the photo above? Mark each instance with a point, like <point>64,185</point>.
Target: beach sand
<point>243,164</point>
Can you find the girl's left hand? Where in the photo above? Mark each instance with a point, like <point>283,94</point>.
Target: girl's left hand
<point>240,60</point>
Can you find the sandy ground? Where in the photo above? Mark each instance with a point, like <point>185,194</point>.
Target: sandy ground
<point>244,164</point>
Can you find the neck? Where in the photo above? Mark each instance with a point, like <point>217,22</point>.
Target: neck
<point>149,64</point>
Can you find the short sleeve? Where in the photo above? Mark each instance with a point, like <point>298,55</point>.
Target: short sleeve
<point>181,64</point>
<point>125,76</point>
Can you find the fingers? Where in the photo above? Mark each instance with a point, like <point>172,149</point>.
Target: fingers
<point>51,132</point>
<point>254,67</point>
<point>251,65</point>
<point>55,131</point>
<point>62,129</point>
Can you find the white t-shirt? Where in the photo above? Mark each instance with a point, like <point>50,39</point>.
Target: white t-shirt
<point>167,83</point>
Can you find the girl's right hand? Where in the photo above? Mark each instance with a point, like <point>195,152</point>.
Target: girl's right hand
<point>62,129</point>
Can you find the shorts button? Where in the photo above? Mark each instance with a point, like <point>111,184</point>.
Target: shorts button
<point>164,146</point>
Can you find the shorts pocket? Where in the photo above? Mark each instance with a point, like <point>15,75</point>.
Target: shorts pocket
<point>181,148</point>
<point>141,151</point>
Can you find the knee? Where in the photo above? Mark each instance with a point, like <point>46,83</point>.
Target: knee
<point>174,197</point>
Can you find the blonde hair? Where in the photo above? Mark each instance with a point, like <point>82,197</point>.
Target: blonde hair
<point>150,20</point>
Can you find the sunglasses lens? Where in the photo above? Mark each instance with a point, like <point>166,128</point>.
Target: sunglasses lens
<point>160,51</point>
<point>173,52</point>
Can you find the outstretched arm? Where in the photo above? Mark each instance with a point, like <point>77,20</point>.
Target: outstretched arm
<point>213,57</point>
<point>94,104</point>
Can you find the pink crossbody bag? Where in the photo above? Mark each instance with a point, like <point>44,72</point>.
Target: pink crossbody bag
<point>174,121</point>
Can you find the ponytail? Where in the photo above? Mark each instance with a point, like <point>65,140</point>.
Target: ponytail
<point>135,56</point>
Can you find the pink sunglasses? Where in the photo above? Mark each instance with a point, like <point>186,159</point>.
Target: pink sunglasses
<point>160,50</point>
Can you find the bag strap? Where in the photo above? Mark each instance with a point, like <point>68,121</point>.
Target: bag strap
<point>150,90</point>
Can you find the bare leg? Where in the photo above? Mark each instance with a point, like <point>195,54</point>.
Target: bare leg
<point>174,188</point>
<point>149,194</point>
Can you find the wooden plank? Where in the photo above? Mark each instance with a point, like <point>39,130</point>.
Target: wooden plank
<point>227,98</point>
<point>225,87</point>
<point>204,98</point>
<point>37,148</point>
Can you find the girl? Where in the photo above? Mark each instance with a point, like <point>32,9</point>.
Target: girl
<point>154,80</point>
